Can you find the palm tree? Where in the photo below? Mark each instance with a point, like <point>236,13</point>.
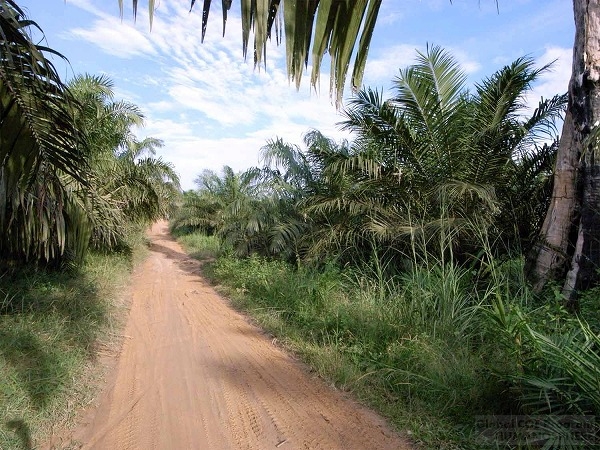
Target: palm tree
<point>295,176</point>
<point>129,185</point>
<point>71,167</point>
<point>234,206</point>
<point>42,165</point>
<point>439,156</point>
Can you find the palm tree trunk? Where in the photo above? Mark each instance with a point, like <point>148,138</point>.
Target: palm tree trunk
<point>570,236</point>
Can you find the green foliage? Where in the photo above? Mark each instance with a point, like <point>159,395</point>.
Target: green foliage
<point>237,207</point>
<point>42,162</point>
<point>129,187</point>
<point>555,368</point>
<point>436,152</point>
<point>433,162</point>
<point>365,339</point>
<point>71,170</point>
<point>407,284</point>
<point>435,340</point>
<point>199,245</point>
<point>50,327</point>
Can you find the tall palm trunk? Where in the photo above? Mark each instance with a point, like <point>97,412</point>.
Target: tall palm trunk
<point>570,237</point>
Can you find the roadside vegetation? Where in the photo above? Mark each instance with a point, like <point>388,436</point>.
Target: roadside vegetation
<point>77,190</point>
<point>54,325</point>
<point>397,264</point>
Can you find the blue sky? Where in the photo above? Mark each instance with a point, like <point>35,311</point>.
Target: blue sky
<point>212,108</point>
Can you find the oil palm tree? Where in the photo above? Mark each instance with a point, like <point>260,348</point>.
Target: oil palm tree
<point>42,163</point>
<point>234,206</point>
<point>153,183</point>
<point>292,176</point>
<point>438,155</point>
<point>129,185</point>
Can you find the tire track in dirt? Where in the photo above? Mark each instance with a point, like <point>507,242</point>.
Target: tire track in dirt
<point>195,374</point>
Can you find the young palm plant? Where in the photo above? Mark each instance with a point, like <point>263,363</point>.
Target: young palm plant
<point>436,158</point>
<point>296,178</point>
<point>234,206</point>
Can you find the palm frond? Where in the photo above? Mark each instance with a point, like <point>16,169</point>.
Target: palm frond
<point>332,27</point>
<point>40,147</point>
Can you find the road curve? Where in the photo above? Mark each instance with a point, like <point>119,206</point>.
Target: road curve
<point>195,374</point>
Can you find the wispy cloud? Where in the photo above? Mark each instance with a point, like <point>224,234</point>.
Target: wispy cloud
<point>126,43</point>
<point>226,108</point>
<point>556,79</point>
<point>213,108</point>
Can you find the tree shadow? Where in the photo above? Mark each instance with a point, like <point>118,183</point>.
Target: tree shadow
<point>22,432</point>
<point>39,368</point>
<point>188,263</point>
<point>53,320</point>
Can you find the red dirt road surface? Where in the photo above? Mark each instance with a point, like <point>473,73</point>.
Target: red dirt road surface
<point>195,374</point>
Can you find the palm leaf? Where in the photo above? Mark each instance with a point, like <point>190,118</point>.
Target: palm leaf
<point>40,148</point>
<point>332,25</point>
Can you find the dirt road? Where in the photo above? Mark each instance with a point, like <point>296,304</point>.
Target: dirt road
<point>194,374</point>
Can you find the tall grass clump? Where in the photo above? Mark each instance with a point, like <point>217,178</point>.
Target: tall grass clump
<point>552,371</point>
<point>200,246</point>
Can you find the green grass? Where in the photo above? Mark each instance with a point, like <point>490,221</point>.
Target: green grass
<point>433,348</point>
<point>376,338</point>
<point>200,246</point>
<point>51,326</point>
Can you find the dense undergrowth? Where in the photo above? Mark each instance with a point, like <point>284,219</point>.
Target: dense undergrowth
<point>52,326</point>
<point>452,356</point>
<point>395,263</point>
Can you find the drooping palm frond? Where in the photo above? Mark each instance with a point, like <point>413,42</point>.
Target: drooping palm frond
<point>541,126</point>
<point>369,116</point>
<point>40,147</point>
<point>340,28</point>
<point>137,149</point>
<point>35,118</point>
<point>288,164</point>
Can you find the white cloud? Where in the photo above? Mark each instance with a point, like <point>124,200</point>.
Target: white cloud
<point>209,106</point>
<point>213,108</point>
<point>553,81</point>
<point>382,67</point>
<point>126,44</point>
<point>465,62</point>
<point>111,34</point>
<point>556,79</point>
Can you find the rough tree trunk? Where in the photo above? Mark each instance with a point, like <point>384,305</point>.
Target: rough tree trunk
<point>570,236</point>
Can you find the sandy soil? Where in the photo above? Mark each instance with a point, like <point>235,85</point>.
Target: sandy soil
<point>195,374</point>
